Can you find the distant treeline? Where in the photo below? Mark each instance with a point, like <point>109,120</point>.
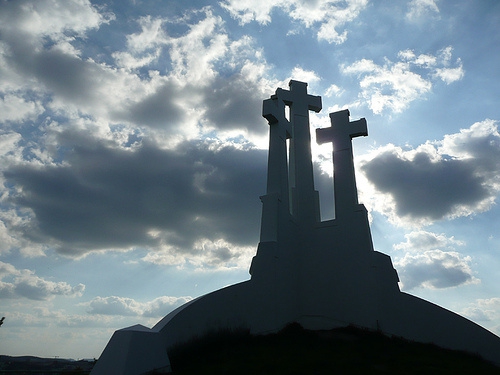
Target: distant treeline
<point>43,366</point>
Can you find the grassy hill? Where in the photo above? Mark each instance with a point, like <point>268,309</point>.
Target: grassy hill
<point>340,351</point>
<point>293,351</point>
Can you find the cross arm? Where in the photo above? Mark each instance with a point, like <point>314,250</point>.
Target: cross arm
<point>315,103</point>
<point>298,90</point>
<point>323,136</point>
<point>273,110</point>
<point>358,128</point>
<point>342,130</point>
<point>270,110</point>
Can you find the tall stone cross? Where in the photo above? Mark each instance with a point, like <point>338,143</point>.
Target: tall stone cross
<point>341,134</point>
<point>304,197</point>
<point>290,188</point>
<point>276,203</point>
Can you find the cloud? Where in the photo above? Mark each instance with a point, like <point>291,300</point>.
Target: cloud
<point>422,240</point>
<point>112,162</point>
<point>36,54</point>
<point>161,306</point>
<point>45,316</point>
<point>37,38</point>
<point>157,109</point>
<point>73,85</point>
<point>14,108</point>
<point>40,57</point>
<point>112,198</point>
<point>122,306</point>
<point>430,261</point>
<point>333,90</point>
<point>204,83</point>
<point>428,189</point>
<point>144,47</point>
<point>419,9</point>
<point>221,78</point>
<point>233,105</point>
<point>434,269</point>
<point>256,10</point>
<point>51,18</point>
<point>455,177</point>
<point>194,202</point>
<point>7,269</point>
<point>206,253</point>
<point>483,310</point>
<point>325,16</point>
<point>300,74</point>
<point>394,85</point>
<point>25,284</point>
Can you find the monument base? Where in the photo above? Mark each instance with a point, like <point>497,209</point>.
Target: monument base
<point>134,350</point>
<point>261,308</point>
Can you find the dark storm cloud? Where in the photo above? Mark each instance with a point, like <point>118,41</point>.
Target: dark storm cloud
<point>457,176</point>
<point>156,109</point>
<point>112,198</point>
<point>423,187</point>
<point>234,103</point>
<point>66,75</point>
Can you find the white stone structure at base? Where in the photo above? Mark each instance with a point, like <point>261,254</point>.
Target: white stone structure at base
<point>322,275</point>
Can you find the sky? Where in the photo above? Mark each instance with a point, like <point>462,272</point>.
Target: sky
<point>133,151</point>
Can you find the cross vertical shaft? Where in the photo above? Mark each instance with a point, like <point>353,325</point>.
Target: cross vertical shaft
<point>280,130</point>
<point>276,201</point>
<point>305,203</point>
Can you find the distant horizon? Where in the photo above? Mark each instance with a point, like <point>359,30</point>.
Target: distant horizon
<point>49,358</point>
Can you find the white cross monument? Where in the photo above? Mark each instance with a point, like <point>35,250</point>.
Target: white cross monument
<point>321,274</point>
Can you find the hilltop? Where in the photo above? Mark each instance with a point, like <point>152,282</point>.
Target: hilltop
<point>295,350</point>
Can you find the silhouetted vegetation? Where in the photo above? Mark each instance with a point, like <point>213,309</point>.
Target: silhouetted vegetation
<point>295,350</point>
<point>36,365</point>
